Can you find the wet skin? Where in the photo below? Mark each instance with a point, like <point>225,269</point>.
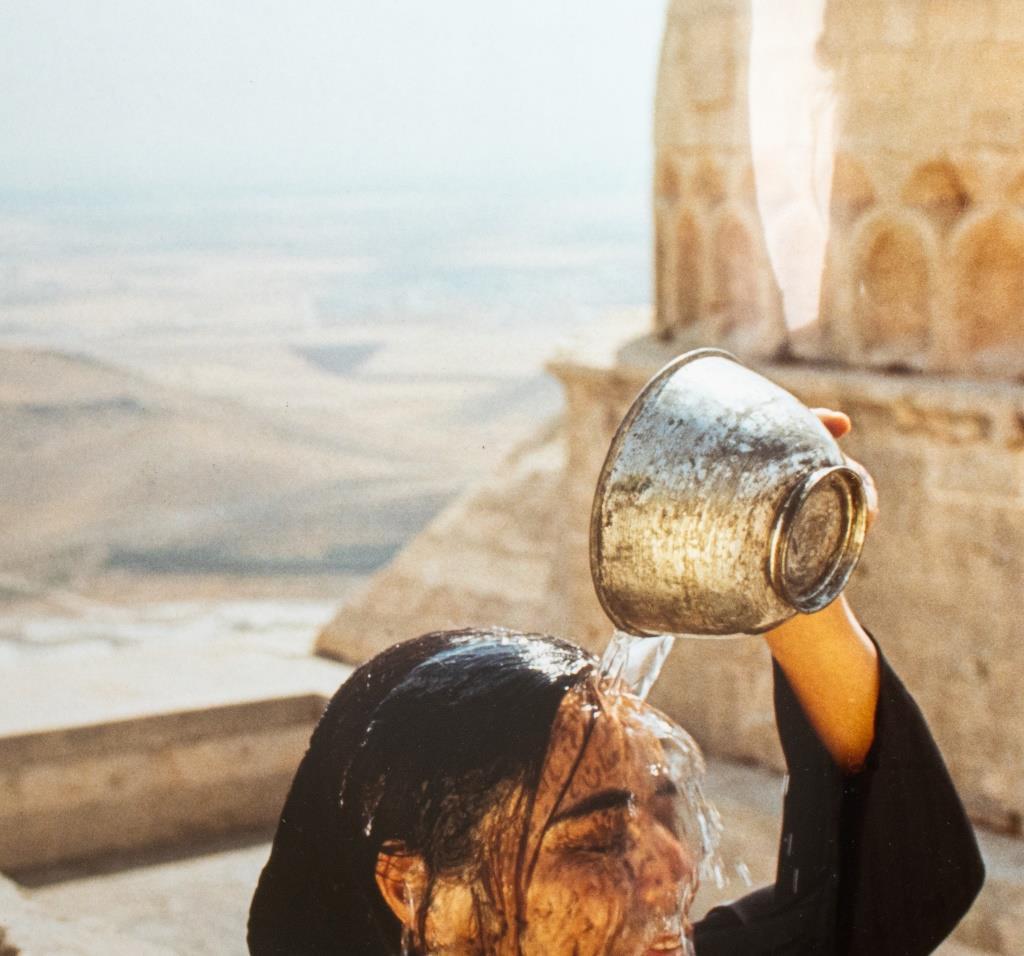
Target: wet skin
<point>596,862</point>
<point>614,872</point>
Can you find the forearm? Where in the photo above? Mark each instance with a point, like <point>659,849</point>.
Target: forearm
<point>832,667</point>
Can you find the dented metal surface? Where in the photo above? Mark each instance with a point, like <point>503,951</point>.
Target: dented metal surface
<point>724,505</point>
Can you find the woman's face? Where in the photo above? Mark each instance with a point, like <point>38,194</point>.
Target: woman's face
<point>605,866</point>
<point>614,873</point>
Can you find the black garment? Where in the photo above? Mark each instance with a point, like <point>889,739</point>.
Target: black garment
<point>880,863</point>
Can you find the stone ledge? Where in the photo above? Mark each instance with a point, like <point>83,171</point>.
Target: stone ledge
<point>939,583</point>
<point>619,353</point>
<point>29,930</point>
<point>115,756</point>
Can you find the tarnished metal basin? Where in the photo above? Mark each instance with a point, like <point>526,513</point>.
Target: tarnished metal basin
<point>724,506</point>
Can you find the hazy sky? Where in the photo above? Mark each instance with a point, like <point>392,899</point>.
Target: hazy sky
<point>128,94</point>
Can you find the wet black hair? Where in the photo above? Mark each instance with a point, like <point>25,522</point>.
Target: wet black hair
<point>414,748</point>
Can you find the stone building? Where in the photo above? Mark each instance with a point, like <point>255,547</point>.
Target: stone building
<point>924,262</point>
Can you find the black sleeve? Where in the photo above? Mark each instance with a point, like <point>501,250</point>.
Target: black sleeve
<point>880,863</point>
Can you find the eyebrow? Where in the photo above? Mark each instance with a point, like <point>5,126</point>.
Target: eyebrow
<point>603,800</point>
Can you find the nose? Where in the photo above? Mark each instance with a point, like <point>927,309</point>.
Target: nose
<point>663,867</point>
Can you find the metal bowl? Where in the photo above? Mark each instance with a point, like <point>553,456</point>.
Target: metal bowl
<point>724,506</point>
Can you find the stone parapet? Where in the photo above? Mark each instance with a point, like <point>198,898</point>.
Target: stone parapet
<point>151,748</point>
<point>941,582</point>
<point>920,256</point>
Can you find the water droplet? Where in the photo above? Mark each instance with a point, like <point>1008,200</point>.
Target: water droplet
<point>408,947</point>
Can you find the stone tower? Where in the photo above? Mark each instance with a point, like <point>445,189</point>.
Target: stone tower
<point>712,275</point>
<point>924,263</point>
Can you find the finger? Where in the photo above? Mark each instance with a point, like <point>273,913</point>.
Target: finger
<point>837,423</point>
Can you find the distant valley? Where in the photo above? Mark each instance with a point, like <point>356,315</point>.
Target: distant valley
<point>103,470</point>
<point>269,397</point>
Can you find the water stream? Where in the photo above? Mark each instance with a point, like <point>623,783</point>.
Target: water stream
<point>635,661</point>
<point>633,664</point>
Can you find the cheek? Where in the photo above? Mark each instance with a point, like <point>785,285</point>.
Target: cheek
<point>576,906</point>
<point>451,924</point>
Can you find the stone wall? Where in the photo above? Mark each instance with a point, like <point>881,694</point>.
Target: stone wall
<point>711,268</point>
<point>924,262</point>
<point>941,583</point>
<point>493,557</point>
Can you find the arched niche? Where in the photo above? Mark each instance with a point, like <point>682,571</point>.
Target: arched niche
<point>989,258</point>
<point>709,184</point>
<point>852,191</point>
<point>689,278</point>
<point>1015,191</point>
<point>735,299</point>
<point>668,182</point>
<point>892,301</point>
<point>938,190</point>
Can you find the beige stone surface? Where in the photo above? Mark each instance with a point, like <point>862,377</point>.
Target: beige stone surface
<point>493,557</point>
<point>196,905</point>
<point>940,582</point>
<point>923,250</point>
<point>151,747</point>
<point>27,929</point>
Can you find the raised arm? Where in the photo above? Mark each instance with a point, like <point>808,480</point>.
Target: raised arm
<point>878,863</point>
<point>830,662</point>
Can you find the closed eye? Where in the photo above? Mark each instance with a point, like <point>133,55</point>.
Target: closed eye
<point>601,832</point>
<point>665,807</point>
<point>603,800</point>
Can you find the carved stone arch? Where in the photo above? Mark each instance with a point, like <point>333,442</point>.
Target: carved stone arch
<point>709,184</point>
<point>668,181</point>
<point>894,262</point>
<point>937,189</point>
<point>689,270</point>
<point>853,193</point>
<point>735,295</point>
<point>989,283</point>
<point>1015,191</point>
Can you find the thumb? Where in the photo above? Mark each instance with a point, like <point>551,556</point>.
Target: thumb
<point>837,423</point>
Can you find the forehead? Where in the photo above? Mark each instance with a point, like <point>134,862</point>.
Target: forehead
<point>606,739</point>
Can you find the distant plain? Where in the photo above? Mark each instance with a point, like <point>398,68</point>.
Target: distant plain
<point>260,399</point>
